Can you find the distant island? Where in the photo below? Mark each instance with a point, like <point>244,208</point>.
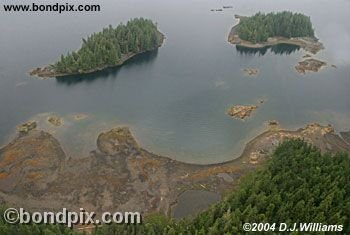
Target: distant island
<point>108,48</point>
<point>261,30</point>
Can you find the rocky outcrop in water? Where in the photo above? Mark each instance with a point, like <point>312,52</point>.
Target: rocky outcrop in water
<point>56,121</point>
<point>241,111</point>
<point>26,127</point>
<point>309,65</point>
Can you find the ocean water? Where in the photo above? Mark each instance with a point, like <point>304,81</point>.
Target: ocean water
<point>174,99</point>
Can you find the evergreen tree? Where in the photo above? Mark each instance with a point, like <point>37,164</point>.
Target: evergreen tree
<point>259,27</point>
<point>107,48</point>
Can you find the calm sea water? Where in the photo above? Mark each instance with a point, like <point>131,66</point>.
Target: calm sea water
<point>174,99</point>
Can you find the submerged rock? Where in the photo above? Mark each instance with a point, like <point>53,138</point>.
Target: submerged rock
<point>80,116</point>
<point>250,71</point>
<point>261,101</point>
<point>241,111</point>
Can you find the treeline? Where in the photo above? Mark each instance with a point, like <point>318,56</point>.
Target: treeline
<point>297,185</point>
<point>111,46</point>
<point>260,27</point>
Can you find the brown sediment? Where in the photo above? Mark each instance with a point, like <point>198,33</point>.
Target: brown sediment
<point>119,175</point>
<point>49,72</point>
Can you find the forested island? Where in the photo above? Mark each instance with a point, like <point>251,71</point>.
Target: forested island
<point>108,48</point>
<point>259,27</point>
<point>261,30</point>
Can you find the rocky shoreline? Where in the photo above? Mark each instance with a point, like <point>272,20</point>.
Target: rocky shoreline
<point>49,72</point>
<point>119,175</point>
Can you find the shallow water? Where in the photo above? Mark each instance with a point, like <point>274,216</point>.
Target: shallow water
<point>175,99</point>
<point>191,202</point>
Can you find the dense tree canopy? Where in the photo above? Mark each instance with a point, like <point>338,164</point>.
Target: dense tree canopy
<point>297,185</point>
<point>260,27</point>
<point>111,46</point>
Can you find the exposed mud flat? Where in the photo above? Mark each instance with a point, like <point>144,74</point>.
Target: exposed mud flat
<point>119,175</point>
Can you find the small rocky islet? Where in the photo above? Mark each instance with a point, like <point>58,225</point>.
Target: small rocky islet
<point>309,65</point>
<point>241,111</point>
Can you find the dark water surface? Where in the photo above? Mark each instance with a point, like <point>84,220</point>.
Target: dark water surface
<point>192,202</point>
<point>175,99</point>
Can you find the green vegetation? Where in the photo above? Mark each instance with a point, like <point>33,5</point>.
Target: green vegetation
<point>260,27</point>
<point>297,185</point>
<point>111,46</point>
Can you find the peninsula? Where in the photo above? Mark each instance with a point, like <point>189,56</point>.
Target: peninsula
<point>263,30</point>
<point>108,48</point>
<point>120,175</point>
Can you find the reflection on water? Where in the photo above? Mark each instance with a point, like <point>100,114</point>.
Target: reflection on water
<point>144,58</point>
<point>280,49</point>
